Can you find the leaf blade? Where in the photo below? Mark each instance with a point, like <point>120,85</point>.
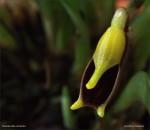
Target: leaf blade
<point>137,89</point>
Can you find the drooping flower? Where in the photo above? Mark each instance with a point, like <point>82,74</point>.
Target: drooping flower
<point>101,76</point>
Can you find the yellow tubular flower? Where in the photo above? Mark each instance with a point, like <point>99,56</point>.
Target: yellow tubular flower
<point>110,47</point>
<point>104,63</point>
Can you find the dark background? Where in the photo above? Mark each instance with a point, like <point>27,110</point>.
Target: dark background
<point>45,46</point>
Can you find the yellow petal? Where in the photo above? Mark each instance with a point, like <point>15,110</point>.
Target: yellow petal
<point>78,104</point>
<point>110,48</point>
<point>96,75</point>
<point>101,110</point>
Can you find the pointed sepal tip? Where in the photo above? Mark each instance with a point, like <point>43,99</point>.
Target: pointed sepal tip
<point>101,110</point>
<point>78,104</point>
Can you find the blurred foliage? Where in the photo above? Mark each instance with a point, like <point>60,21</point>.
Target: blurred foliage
<point>45,45</point>
<point>68,118</point>
<point>137,89</point>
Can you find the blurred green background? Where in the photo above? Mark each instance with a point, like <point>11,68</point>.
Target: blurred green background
<point>44,48</point>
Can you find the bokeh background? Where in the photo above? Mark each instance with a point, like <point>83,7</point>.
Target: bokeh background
<point>45,46</point>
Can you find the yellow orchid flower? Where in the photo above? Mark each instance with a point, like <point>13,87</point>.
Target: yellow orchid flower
<point>105,63</point>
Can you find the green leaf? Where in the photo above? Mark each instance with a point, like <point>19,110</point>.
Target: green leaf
<point>105,10</point>
<point>137,89</point>
<point>82,51</point>
<point>64,33</point>
<point>68,117</point>
<point>142,39</point>
<point>147,3</point>
<point>142,52</point>
<point>87,10</point>
<point>140,25</point>
<point>45,7</point>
